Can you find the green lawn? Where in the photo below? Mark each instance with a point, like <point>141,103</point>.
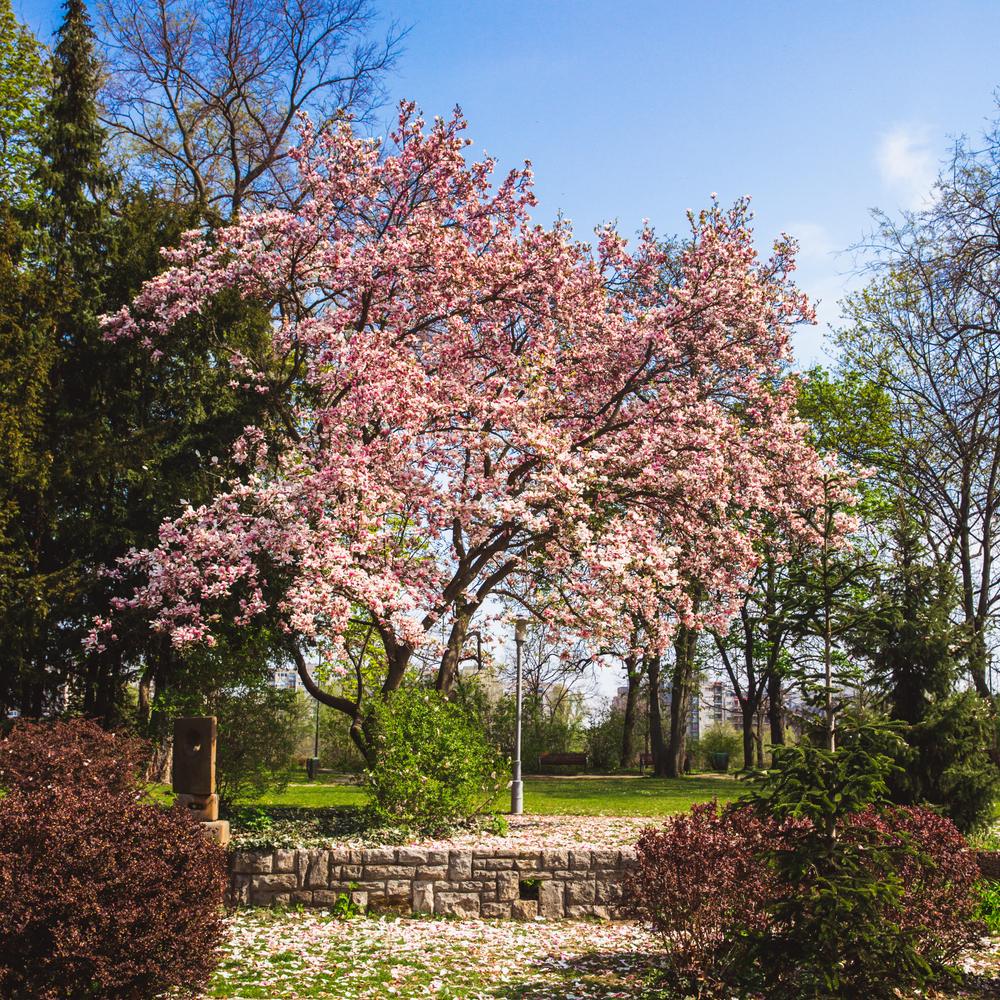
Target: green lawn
<point>556,796</point>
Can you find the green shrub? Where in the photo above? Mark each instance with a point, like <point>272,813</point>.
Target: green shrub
<point>839,929</point>
<point>432,766</point>
<point>988,909</point>
<point>717,738</point>
<point>604,739</point>
<point>260,729</point>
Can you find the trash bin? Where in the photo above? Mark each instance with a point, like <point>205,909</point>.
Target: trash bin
<point>719,761</point>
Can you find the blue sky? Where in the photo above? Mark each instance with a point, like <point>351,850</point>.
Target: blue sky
<point>631,110</point>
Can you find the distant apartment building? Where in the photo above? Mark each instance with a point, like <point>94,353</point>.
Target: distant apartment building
<point>719,704</point>
<point>285,678</point>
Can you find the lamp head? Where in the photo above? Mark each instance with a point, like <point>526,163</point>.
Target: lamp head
<point>520,629</point>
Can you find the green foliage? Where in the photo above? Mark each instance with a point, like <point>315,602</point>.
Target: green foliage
<point>829,934</point>
<point>916,651</point>
<point>988,909</point>
<point>337,751</point>
<point>604,739</point>
<point>432,765</point>
<point>260,729</point>
<point>23,80</point>
<point>953,768</point>
<point>718,738</point>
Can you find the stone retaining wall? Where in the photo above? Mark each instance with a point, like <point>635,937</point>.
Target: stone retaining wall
<point>467,883</point>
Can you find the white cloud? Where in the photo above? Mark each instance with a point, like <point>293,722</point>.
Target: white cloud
<point>815,242</point>
<point>908,165</point>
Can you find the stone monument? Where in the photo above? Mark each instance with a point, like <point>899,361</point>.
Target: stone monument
<point>193,775</point>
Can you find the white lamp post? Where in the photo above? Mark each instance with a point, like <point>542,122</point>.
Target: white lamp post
<point>517,786</point>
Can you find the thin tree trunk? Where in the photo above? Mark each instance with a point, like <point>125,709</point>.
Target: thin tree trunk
<point>680,699</point>
<point>776,709</point>
<point>633,678</point>
<point>657,746</point>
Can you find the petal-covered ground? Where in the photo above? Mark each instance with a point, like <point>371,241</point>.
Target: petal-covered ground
<point>533,832</point>
<point>281,955</point>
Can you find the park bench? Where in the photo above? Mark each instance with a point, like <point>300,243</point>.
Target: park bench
<point>562,760</point>
<point>645,760</point>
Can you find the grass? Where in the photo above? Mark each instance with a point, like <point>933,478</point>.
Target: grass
<point>284,954</point>
<point>555,796</point>
<point>294,955</point>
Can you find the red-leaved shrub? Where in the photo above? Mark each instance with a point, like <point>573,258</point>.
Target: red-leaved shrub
<point>78,753</point>
<point>706,883</point>
<point>102,895</point>
<point>701,880</point>
<point>938,872</point>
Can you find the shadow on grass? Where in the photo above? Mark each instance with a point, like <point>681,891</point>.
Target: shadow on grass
<point>595,976</point>
<point>639,976</point>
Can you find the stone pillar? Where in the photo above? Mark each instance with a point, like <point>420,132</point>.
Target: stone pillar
<point>193,773</point>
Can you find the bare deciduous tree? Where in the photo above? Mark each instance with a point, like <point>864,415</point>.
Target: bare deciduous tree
<point>928,329</point>
<point>205,95</point>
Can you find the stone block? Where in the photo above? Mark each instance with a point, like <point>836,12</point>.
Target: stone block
<point>550,898</point>
<point>326,897</point>
<point>360,900</point>
<point>284,861</point>
<point>577,912</point>
<point>493,864</point>
<point>303,897</point>
<point>200,807</point>
<point>580,859</point>
<point>495,911</point>
<point>252,862</point>
<point>398,890</point>
<point>459,865</point>
<point>609,889</point>
<point>456,904</point>
<point>528,864</point>
<point>580,893</point>
<point>379,856</point>
<point>524,909</point>
<point>273,883</point>
<point>432,872</point>
<point>507,886</point>
<point>317,873</point>
<point>217,830</point>
<point>422,897</point>
<point>437,857</point>
<point>411,856</point>
<point>239,890</point>
<point>553,860</point>
<point>277,899</point>
<point>605,859</point>
<point>339,855</point>
<point>348,872</point>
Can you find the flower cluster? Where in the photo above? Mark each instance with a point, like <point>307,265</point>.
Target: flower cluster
<point>477,398</point>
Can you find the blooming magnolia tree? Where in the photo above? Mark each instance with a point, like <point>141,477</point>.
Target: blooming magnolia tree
<point>476,400</point>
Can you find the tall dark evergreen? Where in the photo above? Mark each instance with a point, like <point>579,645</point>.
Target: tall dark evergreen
<point>117,439</point>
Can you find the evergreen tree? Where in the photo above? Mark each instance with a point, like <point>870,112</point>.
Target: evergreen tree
<point>109,439</point>
<point>917,653</point>
<point>23,79</point>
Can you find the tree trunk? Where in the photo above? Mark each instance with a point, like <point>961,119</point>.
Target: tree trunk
<point>633,678</point>
<point>680,699</point>
<point>747,711</point>
<point>776,709</point>
<point>452,656</point>
<point>657,746</point>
